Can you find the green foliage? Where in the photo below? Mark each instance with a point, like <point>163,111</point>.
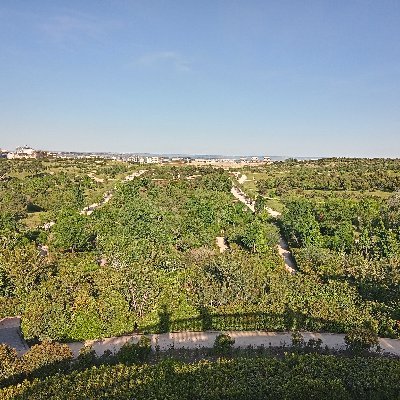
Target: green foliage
<point>292,376</point>
<point>153,244</point>
<point>259,236</point>
<point>86,357</point>
<point>223,344</point>
<point>8,361</point>
<point>45,359</point>
<point>260,204</point>
<point>297,339</point>
<point>300,225</point>
<point>21,269</point>
<point>71,232</point>
<point>131,353</point>
<point>361,339</point>
<point>337,174</point>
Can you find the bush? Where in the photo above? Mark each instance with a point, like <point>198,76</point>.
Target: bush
<point>223,344</point>
<point>46,358</point>
<point>297,339</point>
<point>87,357</point>
<point>291,376</point>
<point>8,361</point>
<point>361,339</point>
<point>135,352</point>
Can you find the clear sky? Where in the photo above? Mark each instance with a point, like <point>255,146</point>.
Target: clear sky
<point>300,77</point>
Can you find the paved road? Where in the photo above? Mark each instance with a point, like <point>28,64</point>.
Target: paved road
<point>10,328</point>
<point>192,340</point>
<point>10,334</point>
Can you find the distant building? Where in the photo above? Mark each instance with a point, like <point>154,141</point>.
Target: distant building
<point>25,152</point>
<point>152,160</point>
<point>145,159</point>
<point>266,159</point>
<point>134,159</point>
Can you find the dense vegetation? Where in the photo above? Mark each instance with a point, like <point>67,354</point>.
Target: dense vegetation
<point>332,175</point>
<point>48,370</point>
<point>293,376</point>
<point>149,256</point>
<point>341,218</point>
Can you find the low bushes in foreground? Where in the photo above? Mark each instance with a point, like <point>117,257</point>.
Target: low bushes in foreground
<point>292,376</point>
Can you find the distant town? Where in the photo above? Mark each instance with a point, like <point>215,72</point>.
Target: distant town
<point>26,152</point>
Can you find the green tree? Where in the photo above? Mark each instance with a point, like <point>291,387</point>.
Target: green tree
<point>72,232</point>
<point>300,225</point>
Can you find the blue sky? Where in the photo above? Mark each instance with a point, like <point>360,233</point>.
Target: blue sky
<point>305,78</point>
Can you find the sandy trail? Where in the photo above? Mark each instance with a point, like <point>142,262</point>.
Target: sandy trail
<point>221,243</point>
<point>243,198</point>
<point>283,247</point>
<point>242,179</point>
<point>108,195</point>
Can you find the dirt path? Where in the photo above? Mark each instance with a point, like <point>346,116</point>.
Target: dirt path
<point>108,195</point>
<point>221,243</point>
<point>243,339</point>
<point>10,327</point>
<point>10,334</point>
<point>242,179</point>
<point>243,198</point>
<point>135,175</point>
<point>91,175</point>
<point>283,247</point>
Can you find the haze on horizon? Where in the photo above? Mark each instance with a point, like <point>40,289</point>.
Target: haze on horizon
<point>319,78</point>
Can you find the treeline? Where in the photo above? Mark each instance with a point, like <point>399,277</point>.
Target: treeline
<point>30,188</point>
<point>331,174</point>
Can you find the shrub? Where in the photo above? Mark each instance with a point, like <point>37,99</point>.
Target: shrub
<point>8,361</point>
<point>291,376</point>
<point>87,357</point>
<point>297,339</point>
<point>135,352</point>
<point>223,344</point>
<point>314,344</point>
<point>361,339</point>
<point>46,358</point>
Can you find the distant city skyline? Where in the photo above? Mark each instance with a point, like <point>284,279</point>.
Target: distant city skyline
<point>313,79</point>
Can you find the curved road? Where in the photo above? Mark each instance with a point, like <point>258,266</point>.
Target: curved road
<point>10,334</point>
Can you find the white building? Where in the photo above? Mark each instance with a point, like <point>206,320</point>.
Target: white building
<point>152,160</point>
<point>24,152</point>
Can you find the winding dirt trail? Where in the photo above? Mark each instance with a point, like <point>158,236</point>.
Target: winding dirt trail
<point>10,332</point>
<point>108,195</point>
<point>283,247</point>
